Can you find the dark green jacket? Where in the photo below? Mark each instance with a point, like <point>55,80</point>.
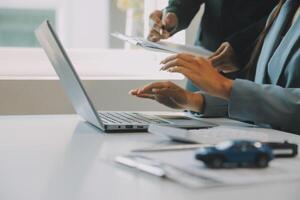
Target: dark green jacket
<point>236,21</point>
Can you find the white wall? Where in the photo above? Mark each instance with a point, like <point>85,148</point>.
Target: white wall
<point>84,24</point>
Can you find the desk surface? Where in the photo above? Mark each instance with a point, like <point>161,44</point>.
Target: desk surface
<point>61,157</point>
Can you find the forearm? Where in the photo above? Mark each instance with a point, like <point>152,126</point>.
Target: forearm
<point>266,104</point>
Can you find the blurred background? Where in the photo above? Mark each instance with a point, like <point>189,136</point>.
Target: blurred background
<point>109,68</point>
<point>80,23</point>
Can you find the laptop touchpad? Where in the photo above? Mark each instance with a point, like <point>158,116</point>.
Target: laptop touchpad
<point>182,121</point>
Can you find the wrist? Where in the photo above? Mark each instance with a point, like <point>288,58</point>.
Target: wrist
<point>195,102</point>
<point>226,88</point>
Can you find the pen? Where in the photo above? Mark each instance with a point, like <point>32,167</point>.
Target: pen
<point>164,170</point>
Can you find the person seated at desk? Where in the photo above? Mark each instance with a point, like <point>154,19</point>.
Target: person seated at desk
<point>269,97</point>
<point>223,20</point>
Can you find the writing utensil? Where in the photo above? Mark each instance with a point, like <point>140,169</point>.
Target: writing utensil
<point>176,147</point>
<point>164,170</point>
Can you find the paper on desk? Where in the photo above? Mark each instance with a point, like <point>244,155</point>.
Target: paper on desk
<point>278,171</point>
<point>163,46</point>
<point>217,134</point>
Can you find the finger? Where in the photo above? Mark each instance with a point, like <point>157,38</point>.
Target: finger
<point>182,70</point>
<point>176,62</point>
<point>157,26</point>
<point>133,92</point>
<point>171,93</point>
<point>217,62</point>
<point>146,96</point>
<point>184,56</point>
<point>218,59</point>
<point>154,36</point>
<point>157,14</point>
<point>149,88</point>
<point>155,20</point>
<point>227,69</point>
<point>165,34</point>
<point>218,51</point>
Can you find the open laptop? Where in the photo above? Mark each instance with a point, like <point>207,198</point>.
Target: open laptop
<point>106,121</point>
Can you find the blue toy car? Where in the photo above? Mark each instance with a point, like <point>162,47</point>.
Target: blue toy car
<point>236,152</point>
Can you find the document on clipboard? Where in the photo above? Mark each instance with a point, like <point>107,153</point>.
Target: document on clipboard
<point>166,47</point>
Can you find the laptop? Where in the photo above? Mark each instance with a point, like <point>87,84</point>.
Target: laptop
<point>106,121</point>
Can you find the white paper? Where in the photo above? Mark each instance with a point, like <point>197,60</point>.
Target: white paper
<point>284,169</point>
<point>163,46</point>
<point>218,134</point>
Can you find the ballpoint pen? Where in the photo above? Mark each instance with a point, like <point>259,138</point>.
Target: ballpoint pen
<point>164,170</point>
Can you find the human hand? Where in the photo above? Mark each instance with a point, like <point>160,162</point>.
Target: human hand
<point>201,72</point>
<point>170,95</point>
<point>224,58</point>
<point>161,25</point>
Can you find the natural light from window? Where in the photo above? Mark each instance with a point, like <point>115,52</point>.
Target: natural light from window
<point>84,28</point>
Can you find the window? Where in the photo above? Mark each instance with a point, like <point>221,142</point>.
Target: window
<point>17,26</point>
<point>83,26</point>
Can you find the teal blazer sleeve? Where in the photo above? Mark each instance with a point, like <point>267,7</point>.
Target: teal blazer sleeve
<point>266,104</point>
<point>277,106</point>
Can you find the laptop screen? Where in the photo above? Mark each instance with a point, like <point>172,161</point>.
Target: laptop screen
<point>66,73</point>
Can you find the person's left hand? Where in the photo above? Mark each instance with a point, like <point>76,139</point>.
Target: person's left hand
<point>224,59</point>
<point>171,95</point>
<point>201,72</point>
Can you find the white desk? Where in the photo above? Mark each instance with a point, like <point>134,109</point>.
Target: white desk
<point>61,158</point>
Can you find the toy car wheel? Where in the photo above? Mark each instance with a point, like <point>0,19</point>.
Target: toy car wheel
<point>262,161</point>
<point>216,162</point>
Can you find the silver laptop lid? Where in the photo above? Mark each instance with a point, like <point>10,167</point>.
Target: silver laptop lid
<point>67,74</point>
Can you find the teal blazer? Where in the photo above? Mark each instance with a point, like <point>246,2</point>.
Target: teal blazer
<point>273,99</point>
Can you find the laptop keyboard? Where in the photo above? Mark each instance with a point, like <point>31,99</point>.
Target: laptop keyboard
<point>129,118</point>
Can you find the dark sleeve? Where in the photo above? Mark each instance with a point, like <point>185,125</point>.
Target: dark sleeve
<point>185,11</point>
<point>243,42</point>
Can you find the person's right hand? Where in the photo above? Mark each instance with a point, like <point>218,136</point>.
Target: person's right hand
<point>161,25</point>
<point>171,95</point>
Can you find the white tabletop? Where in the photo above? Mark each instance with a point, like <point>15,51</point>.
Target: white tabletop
<point>61,157</point>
